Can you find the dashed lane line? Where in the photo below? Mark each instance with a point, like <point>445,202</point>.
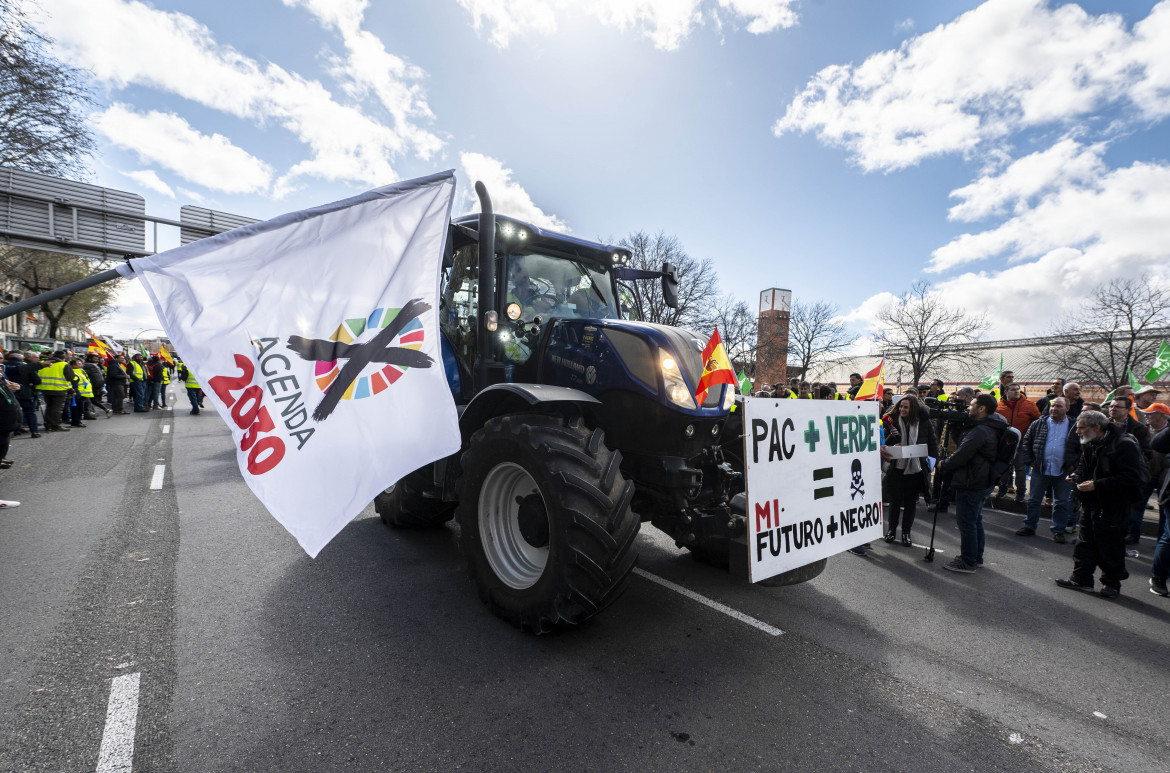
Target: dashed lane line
<point>690,594</point>
<point>156,480</point>
<point>117,750</point>
<point>166,429</point>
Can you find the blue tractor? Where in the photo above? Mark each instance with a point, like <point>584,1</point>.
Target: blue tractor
<point>579,423</point>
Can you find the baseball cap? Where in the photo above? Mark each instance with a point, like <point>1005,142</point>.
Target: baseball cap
<point>1157,408</point>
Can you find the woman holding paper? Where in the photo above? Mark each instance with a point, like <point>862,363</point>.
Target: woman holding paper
<point>909,440</point>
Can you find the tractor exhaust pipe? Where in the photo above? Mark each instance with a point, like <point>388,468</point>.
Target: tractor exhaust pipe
<point>487,280</point>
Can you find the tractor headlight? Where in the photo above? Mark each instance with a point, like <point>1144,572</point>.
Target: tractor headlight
<point>674,384</point>
<point>728,397</point>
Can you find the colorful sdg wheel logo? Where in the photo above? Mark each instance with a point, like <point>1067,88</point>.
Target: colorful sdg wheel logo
<point>358,331</point>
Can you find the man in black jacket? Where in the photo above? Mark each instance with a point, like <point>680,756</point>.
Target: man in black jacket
<point>1121,412</point>
<point>25,374</point>
<point>1109,479</point>
<point>969,471</point>
<point>116,379</point>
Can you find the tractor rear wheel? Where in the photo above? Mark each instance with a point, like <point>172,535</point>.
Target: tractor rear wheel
<point>403,505</point>
<point>545,520</point>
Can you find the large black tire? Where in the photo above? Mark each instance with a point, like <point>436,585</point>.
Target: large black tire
<point>404,506</point>
<point>545,520</point>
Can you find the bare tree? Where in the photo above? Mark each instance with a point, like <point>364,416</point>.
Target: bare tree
<point>698,286</point>
<point>737,327</point>
<point>36,272</point>
<point>42,102</point>
<point>815,338</point>
<point>1119,329</point>
<point>920,331</point>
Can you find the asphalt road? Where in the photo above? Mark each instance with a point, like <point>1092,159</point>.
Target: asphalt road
<point>378,655</point>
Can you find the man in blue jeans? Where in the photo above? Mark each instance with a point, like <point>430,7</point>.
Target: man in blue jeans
<point>969,471</point>
<point>1052,448</point>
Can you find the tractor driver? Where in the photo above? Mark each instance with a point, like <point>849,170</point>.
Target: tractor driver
<point>535,296</point>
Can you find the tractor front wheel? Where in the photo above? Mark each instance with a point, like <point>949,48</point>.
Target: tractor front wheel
<point>545,520</point>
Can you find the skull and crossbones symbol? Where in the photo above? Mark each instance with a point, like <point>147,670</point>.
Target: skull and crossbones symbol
<point>858,485</point>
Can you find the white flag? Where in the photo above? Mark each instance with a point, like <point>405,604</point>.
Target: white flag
<point>315,335</point>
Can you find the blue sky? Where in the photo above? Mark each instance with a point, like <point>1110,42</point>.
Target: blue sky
<point>1012,152</point>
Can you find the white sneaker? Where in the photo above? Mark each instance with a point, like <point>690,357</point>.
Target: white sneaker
<point>8,503</point>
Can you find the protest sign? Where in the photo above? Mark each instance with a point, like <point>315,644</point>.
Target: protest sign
<point>813,480</point>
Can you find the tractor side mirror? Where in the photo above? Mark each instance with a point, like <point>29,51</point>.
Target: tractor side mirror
<point>670,284</point>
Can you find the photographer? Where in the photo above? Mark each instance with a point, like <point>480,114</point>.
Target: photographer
<point>951,421</point>
<point>969,470</point>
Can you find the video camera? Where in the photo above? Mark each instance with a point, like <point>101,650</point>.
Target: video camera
<point>952,411</point>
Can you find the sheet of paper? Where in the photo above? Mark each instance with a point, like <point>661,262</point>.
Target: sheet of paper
<point>907,452</point>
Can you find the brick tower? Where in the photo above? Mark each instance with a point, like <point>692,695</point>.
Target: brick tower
<point>772,337</point>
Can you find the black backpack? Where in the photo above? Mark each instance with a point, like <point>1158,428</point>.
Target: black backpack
<point>1007,442</point>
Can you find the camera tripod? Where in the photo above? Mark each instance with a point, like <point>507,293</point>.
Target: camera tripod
<point>936,485</point>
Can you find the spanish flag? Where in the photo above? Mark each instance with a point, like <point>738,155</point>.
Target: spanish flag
<point>164,355</point>
<point>97,346</point>
<point>873,384</point>
<point>716,368</point>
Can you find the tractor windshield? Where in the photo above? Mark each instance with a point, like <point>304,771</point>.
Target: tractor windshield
<point>559,287</point>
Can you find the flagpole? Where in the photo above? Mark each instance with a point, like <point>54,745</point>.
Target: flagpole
<point>60,292</point>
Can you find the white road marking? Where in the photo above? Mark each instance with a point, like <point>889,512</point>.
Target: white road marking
<point>927,547</point>
<point>117,750</point>
<point>1099,715</point>
<point>166,429</point>
<point>157,479</point>
<point>690,594</point>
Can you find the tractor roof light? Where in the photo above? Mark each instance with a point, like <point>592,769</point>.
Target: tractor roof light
<point>491,320</point>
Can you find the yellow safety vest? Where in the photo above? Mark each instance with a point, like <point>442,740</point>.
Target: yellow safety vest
<point>190,381</point>
<point>53,378</point>
<point>136,369</point>
<point>166,378</point>
<point>84,387</point>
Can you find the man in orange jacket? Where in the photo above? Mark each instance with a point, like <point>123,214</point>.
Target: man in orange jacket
<point>1020,412</point>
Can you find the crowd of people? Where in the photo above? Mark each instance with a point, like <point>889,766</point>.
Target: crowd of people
<point>1095,466</point>
<point>61,391</point>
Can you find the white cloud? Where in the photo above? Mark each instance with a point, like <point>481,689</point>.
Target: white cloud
<point>1002,67</point>
<point>370,69</point>
<point>1066,162</point>
<point>865,315</point>
<point>150,180</point>
<point>125,43</point>
<point>187,193</point>
<point>169,141</point>
<point>665,22</point>
<point>1117,219</point>
<point>508,198</point>
<point>508,18</point>
<point>1075,239</point>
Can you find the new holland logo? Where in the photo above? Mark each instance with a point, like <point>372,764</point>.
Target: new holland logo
<point>377,349</point>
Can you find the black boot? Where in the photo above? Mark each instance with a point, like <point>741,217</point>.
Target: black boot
<point>890,535</point>
<point>906,539</point>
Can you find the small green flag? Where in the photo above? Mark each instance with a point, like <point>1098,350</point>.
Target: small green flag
<point>745,384</point>
<point>1133,384</point>
<point>992,381</point>
<point>1161,364</point>
<point>145,354</point>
